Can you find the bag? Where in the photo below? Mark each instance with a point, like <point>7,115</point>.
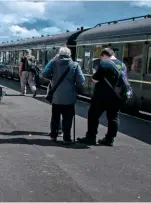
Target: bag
<point>122,87</point>
<point>30,65</point>
<point>51,91</point>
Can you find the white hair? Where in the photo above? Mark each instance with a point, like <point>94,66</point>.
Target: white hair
<point>64,51</point>
<point>28,51</point>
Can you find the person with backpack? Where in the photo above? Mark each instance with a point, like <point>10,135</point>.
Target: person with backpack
<point>26,72</point>
<point>66,76</point>
<point>111,91</point>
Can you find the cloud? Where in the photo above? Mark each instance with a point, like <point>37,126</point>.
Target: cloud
<point>145,3</point>
<point>52,30</point>
<point>22,18</point>
<point>23,32</point>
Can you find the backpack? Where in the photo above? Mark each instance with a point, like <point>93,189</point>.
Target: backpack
<point>122,88</point>
<point>30,65</point>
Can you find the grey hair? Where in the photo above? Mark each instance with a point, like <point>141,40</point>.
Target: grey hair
<point>64,51</point>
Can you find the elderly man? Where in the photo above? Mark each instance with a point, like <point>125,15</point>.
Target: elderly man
<point>26,72</point>
<point>64,97</point>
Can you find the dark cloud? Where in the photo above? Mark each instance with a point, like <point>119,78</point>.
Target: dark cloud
<point>38,24</point>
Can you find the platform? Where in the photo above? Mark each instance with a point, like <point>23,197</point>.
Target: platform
<point>34,169</point>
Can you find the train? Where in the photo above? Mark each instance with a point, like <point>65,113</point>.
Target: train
<point>129,38</point>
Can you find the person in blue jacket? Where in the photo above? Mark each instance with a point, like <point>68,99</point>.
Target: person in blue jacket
<point>64,98</point>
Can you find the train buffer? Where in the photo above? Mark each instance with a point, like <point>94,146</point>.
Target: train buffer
<point>34,169</point>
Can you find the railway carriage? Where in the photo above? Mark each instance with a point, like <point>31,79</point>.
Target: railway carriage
<point>131,41</point>
<point>43,48</point>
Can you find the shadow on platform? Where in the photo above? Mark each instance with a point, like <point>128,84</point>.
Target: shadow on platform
<point>42,142</point>
<point>23,133</point>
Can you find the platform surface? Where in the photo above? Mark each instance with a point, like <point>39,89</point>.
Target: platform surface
<point>34,169</point>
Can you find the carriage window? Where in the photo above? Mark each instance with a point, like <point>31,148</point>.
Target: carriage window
<point>12,57</point>
<point>34,53</point>
<point>87,60</point>
<point>96,52</point>
<point>20,55</point>
<point>7,57</point>
<point>16,57</point>
<point>96,56</point>
<point>50,54</point>
<point>80,55</point>
<point>133,53</point>
<point>2,57</point>
<point>40,57</point>
<point>149,62</point>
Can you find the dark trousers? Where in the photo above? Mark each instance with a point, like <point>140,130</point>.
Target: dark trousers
<point>95,111</point>
<point>60,126</point>
<point>67,112</point>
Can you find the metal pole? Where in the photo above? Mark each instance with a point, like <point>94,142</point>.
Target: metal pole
<point>74,126</point>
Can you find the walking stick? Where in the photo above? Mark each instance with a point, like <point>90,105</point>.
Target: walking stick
<point>74,126</point>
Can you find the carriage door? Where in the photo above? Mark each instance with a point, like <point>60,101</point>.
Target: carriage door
<point>86,70</point>
<point>146,85</point>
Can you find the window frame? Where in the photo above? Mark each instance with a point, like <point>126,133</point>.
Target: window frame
<point>140,55</point>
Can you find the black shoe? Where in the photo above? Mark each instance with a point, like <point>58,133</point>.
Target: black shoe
<point>68,141</point>
<point>106,142</point>
<point>86,140</point>
<point>54,139</point>
<point>35,93</point>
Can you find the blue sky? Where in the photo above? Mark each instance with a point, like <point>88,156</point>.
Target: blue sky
<point>23,19</point>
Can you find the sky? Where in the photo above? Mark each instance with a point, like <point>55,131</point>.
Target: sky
<point>24,19</point>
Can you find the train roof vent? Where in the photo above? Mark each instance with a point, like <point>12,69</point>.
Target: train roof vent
<point>78,28</point>
<point>82,28</point>
<point>124,20</point>
<point>67,31</point>
<point>42,35</point>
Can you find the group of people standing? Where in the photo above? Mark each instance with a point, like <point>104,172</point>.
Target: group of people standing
<point>66,77</point>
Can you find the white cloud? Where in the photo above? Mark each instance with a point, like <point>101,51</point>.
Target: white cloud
<point>52,30</point>
<point>23,32</point>
<point>14,13</point>
<point>23,18</point>
<point>20,11</point>
<point>145,3</point>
